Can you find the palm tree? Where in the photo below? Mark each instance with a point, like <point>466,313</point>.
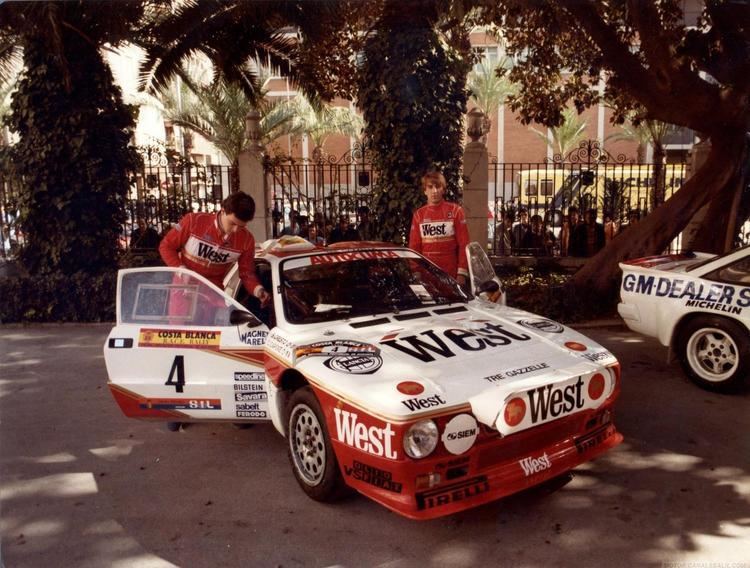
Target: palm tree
<point>319,122</point>
<point>645,132</point>
<point>566,136</point>
<point>489,88</point>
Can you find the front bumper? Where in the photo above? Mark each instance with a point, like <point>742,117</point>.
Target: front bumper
<point>493,468</point>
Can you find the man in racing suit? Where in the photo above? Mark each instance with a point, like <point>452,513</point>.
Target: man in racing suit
<point>438,230</point>
<point>210,244</point>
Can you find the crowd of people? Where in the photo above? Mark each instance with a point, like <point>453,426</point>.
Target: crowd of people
<point>576,234</point>
<point>318,232</point>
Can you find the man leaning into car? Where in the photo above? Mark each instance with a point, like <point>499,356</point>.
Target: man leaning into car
<point>210,244</point>
<point>438,230</point>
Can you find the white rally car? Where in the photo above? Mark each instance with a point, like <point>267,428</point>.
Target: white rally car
<point>381,373</point>
<point>698,304</point>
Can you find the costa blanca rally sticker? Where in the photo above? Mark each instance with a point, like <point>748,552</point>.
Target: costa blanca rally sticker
<point>179,338</point>
<point>460,433</point>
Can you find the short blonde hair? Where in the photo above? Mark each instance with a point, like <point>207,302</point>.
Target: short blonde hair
<point>436,177</point>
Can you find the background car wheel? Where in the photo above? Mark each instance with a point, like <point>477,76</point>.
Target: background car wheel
<point>715,353</point>
<point>310,452</point>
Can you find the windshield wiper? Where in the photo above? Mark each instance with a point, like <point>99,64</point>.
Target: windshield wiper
<point>338,308</point>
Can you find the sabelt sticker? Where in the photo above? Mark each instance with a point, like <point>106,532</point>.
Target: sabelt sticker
<point>460,433</point>
<point>542,324</point>
<point>179,338</point>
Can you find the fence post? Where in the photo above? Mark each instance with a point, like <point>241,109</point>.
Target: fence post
<point>475,176</point>
<point>252,179</point>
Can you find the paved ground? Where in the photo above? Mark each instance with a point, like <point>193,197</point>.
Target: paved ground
<point>82,486</point>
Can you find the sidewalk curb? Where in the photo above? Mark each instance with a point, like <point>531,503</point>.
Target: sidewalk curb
<point>596,323</point>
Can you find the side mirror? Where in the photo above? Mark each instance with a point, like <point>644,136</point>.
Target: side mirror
<point>490,286</point>
<point>238,317</point>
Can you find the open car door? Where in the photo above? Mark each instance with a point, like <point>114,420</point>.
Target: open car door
<point>484,283</point>
<point>184,351</point>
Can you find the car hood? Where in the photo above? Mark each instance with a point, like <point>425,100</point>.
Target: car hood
<point>437,361</point>
<point>675,263</point>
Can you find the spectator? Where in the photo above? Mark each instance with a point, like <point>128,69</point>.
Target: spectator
<point>588,236</point>
<point>570,222</point>
<point>438,230</point>
<point>504,235</point>
<point>611,227</point>
<point>144,237</point>
<point>538,241</point>
<point>634,216</point>
<point>314,236</point>
<point>343,232</point>
<point>293,227</point>
<point>519,231</point>
<point>365,229</point>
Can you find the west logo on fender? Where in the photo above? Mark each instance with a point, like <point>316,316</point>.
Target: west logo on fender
<point>550,401</point>
<point>417,403</point>
<point>491,335</point>
<point>373,440</point>
<point>535,465</point>
<point>212,254</point>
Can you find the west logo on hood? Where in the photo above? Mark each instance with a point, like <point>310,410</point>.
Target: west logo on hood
<point>491,335</point>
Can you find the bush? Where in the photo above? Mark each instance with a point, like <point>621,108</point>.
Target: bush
<point>80,297</point>
<point>551,295</point>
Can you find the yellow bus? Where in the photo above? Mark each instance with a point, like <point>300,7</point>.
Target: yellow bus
<point>560,187</point>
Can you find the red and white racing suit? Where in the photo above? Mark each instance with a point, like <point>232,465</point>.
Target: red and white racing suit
<point>439,232</point>
<point>198,243</point>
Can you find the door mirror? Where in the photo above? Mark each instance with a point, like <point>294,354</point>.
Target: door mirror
<point>490,286</point>
<point>239,317</point>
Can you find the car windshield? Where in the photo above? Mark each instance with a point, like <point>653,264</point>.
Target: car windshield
<point>344,285</point>
<point>713,258</point>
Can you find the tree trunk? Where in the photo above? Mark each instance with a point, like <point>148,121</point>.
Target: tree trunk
<point>716,234</point>
<point>600,275</point>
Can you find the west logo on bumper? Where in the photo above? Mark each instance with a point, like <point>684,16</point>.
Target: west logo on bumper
<point>549,402</point>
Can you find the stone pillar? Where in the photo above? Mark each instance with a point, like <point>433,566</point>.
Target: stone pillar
<point>475,176</point>
<point>252,179</point>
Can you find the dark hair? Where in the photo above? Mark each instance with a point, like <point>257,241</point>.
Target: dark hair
<point>241,205</point>
<point>572,209</point>
<point>363,210</point>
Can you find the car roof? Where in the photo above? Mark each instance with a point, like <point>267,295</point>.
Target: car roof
<point>290,246</point>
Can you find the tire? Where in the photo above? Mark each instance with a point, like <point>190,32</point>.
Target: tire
<point>310,451</point>
<point>715,353</point>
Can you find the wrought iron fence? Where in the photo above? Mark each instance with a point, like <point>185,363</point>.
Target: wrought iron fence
<point>621,191</point>
<point>168,187</point>
<point>323,188</point>
<point>161,192</point>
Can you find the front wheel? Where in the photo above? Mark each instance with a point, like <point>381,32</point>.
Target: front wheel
<point>715,353</point>
<point>310,452</point>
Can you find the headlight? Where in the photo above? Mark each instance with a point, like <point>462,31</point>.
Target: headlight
<point>421,439</point>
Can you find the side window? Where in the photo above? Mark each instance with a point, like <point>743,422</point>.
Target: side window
<point>171,298</point>
<point>266,315</point>
<point>547,187</point>
<point>737,272</point>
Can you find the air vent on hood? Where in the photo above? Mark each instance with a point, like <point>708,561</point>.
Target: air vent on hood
<point>368,323</point>
<point>455,310</point>
<point>414,316</point>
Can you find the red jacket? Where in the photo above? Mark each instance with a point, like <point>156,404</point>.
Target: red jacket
<point>439,232</point>
<point>198,243</point>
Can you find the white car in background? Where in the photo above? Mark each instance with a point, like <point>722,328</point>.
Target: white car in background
<point>698,304</point>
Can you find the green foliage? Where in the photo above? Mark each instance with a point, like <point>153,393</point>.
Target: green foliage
<point>78,297</point>
<point>72,160</point>
<point>567,135</point>
<point>553,295</point>
<point>412,94</point>
<point>488,88</point>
